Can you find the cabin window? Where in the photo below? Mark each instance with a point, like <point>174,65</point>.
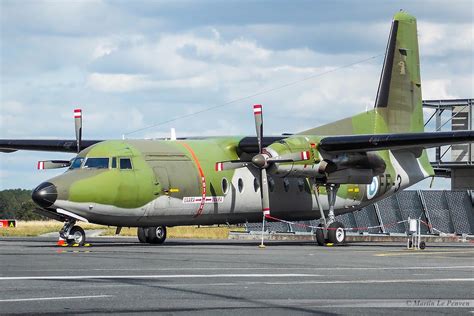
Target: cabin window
<point>271,184</point>
<point>125,163</point>
<point>225,186</point>
<point>256,184</point>
<point>76,163</point>
<point>240,185</point>
<point>114,162</point>
<point>300,185</point>
<point>96,163</point>
<point>286,184</point>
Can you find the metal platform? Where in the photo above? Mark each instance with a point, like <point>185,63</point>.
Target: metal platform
<point>445,212</point>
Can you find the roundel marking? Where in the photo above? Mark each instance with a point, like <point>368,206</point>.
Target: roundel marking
<point>373,188</point>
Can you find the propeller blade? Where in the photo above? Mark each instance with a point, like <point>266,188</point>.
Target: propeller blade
<point>258,114</point>
<point>53,164</point>
<point>230,165</point>
<point>265,193</point>
<point>291,157</point>
<point>78,126</point>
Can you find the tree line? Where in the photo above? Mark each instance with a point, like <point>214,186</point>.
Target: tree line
<point>17,204</point>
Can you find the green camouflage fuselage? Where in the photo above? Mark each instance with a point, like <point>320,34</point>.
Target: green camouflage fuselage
<point>166,184</point>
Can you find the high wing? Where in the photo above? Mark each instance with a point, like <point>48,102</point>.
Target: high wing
<point>363,143</point>
<point>53,145</point>
<point>246,144</point>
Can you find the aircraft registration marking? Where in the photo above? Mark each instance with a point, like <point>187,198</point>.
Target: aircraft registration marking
<point>198,199</point>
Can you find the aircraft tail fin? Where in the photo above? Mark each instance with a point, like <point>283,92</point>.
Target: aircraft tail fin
<point>398,105</point>
<point>398,101</point>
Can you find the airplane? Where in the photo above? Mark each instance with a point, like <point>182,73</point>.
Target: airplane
<point>318,173</point>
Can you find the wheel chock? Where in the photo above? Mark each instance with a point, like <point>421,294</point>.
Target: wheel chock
<point>329,244</point>
<point>75,245</point>
<point>87,245</point>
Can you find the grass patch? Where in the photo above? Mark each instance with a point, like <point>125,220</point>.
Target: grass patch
<point>195,232</point>
<point>36,228</point>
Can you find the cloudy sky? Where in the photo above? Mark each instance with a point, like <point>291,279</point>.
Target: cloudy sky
<point>131,64</point>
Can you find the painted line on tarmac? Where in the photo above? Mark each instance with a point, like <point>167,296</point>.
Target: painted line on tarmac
<point>421,252</point>
<point>376,281</point>
<point>157,276</point>
<point>34,299</point>
<point>248,268</point>
<point>210,276</point>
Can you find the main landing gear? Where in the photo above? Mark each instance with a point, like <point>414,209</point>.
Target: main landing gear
<point>72,234</point>
<point>152,235</point>
<point>329,231</point>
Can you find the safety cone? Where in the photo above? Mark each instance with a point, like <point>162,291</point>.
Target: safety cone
<point>61,242</point>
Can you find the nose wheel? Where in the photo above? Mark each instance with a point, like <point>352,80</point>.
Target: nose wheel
<point>72,234</point>
<point>152,235</point>
<point>77,236</point>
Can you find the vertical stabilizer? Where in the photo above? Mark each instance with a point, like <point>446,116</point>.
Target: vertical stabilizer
<point>398,101</point>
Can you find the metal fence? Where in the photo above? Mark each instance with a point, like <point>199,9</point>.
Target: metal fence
<point>450,212</point>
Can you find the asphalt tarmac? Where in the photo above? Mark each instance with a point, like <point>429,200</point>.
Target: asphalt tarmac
<point>119,275</point>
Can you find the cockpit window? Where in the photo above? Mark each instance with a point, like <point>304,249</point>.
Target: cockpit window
<point>114,162</point>
<point>96,163</point>
<point>76,163</point>
<point>125,163</point>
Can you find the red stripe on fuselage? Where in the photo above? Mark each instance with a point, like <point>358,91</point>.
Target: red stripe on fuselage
<point>203,179</point>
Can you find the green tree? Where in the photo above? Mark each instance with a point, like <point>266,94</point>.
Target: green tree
<point>17,204</point>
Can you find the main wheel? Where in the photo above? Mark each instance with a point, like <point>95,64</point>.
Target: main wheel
<point>320,235</point>
<point>336,233</point>
<point>141,234</point>
<point>156,235</point>
<point>76,236</point>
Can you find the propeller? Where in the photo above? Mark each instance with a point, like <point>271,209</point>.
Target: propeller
<point>53,164</point>
<point>78,127</point>
<point>56,164</point>
<point>262,161</point>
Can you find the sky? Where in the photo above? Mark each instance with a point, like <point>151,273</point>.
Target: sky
<point>132,64</point>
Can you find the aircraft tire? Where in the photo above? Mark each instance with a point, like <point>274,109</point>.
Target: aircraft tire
<point>141,235</point>
<point>77,236</point>
<point>156,235</point>
<point>336,233</point>
<point>320,235</point>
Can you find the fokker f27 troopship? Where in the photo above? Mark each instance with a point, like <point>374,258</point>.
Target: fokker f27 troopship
<point>322,172</point>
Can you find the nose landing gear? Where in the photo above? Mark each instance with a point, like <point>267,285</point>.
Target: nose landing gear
<point>152,235</point>
<point>73,235</point>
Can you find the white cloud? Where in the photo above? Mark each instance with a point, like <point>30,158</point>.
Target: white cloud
<point>440,39</point>
<point>129,66</point>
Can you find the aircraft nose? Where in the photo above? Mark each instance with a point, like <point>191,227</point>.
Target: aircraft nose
<point>45,194</point>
